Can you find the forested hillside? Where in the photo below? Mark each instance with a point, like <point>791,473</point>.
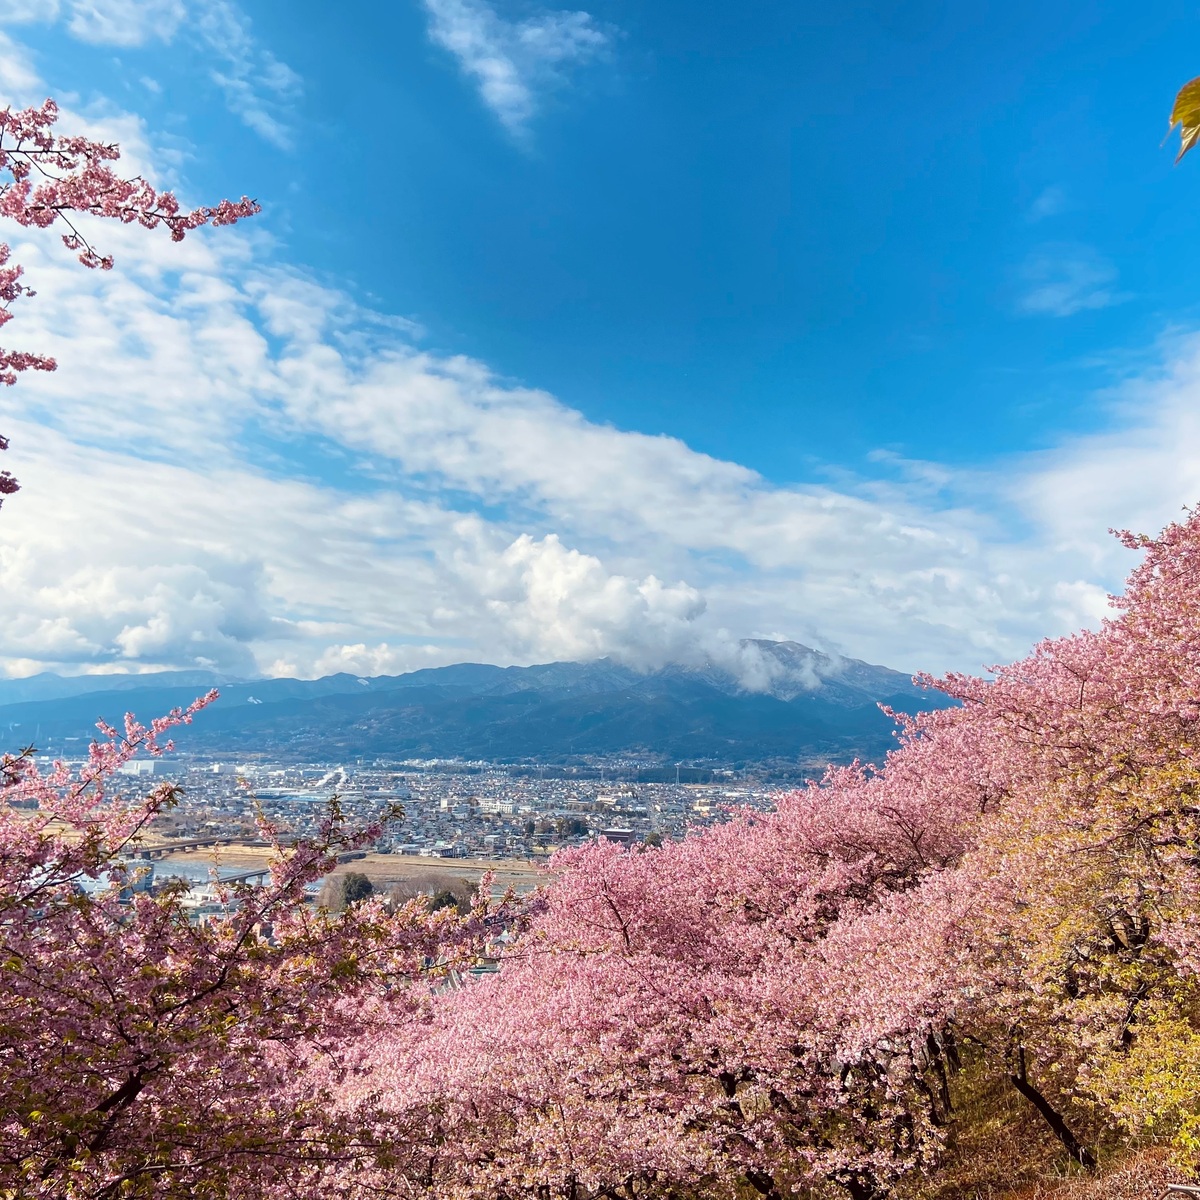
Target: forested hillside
<point>810,710</point>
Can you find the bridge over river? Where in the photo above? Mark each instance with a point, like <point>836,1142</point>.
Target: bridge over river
<point>246,876</point>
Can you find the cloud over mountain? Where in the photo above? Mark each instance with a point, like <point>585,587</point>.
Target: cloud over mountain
<point>237,464</point>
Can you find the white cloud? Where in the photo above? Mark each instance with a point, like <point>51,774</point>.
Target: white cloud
<point>1060,282</point>
<point>124,22</point>
<point>235,465</point>
<point>547,600</point>
<point>363,660</point>
<point>102,22</point>
<point>258,88</point>
<point>106,558</point>
<point>1138,472</point>
<point>26,12</point>
<point>1049,202</point>
<point>511,61</point>
<point>19,82</point>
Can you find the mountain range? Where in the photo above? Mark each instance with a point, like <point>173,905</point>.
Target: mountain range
<point>802,706</point>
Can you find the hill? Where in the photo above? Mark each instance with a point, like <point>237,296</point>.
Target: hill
<point>802,706</point>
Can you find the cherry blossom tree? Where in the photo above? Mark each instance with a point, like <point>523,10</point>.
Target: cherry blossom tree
<point>1087,876</point>
<point>693,1016</point>
<point>803,998</point>
<point>144,1053</point>
<point>47,178</point>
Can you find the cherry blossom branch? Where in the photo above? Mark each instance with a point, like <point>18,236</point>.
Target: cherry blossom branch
<point>54,177</point>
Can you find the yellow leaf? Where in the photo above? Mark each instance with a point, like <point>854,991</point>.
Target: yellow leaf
<point>1186,114</point>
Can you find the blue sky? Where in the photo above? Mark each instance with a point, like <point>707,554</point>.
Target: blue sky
<point>924,267</point>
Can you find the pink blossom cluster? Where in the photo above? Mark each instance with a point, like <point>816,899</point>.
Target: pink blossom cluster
<point>53,176</point>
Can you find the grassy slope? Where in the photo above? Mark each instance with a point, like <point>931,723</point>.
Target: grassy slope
<point>1001,1149</point>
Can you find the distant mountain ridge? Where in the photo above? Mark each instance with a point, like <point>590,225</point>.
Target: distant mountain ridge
<point>805,705</point>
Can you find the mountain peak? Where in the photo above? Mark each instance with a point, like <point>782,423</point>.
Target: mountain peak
<point>765,700</point>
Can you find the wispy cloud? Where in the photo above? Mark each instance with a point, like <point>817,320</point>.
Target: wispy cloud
<point>125,22</point>
<point>1049,202</point>
<point>24,12</point>
<point>19,82</point>
<point>102,22</point>
<point>512,62</point>
<point>1062,281</point>
<point>258,88</point>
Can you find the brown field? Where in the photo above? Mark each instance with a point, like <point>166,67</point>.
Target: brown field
<point>383,870</point>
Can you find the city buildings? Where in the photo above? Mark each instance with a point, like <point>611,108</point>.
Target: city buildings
<point>438,809</point>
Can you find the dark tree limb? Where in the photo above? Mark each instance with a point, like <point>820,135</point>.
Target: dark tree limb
<point>763,1184</point>
<point>1077,1150</point>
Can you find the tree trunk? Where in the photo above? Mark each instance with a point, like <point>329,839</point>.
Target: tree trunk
<point>1020,1080</point>
<point>860,1186</point>
<point>762,1183</point>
